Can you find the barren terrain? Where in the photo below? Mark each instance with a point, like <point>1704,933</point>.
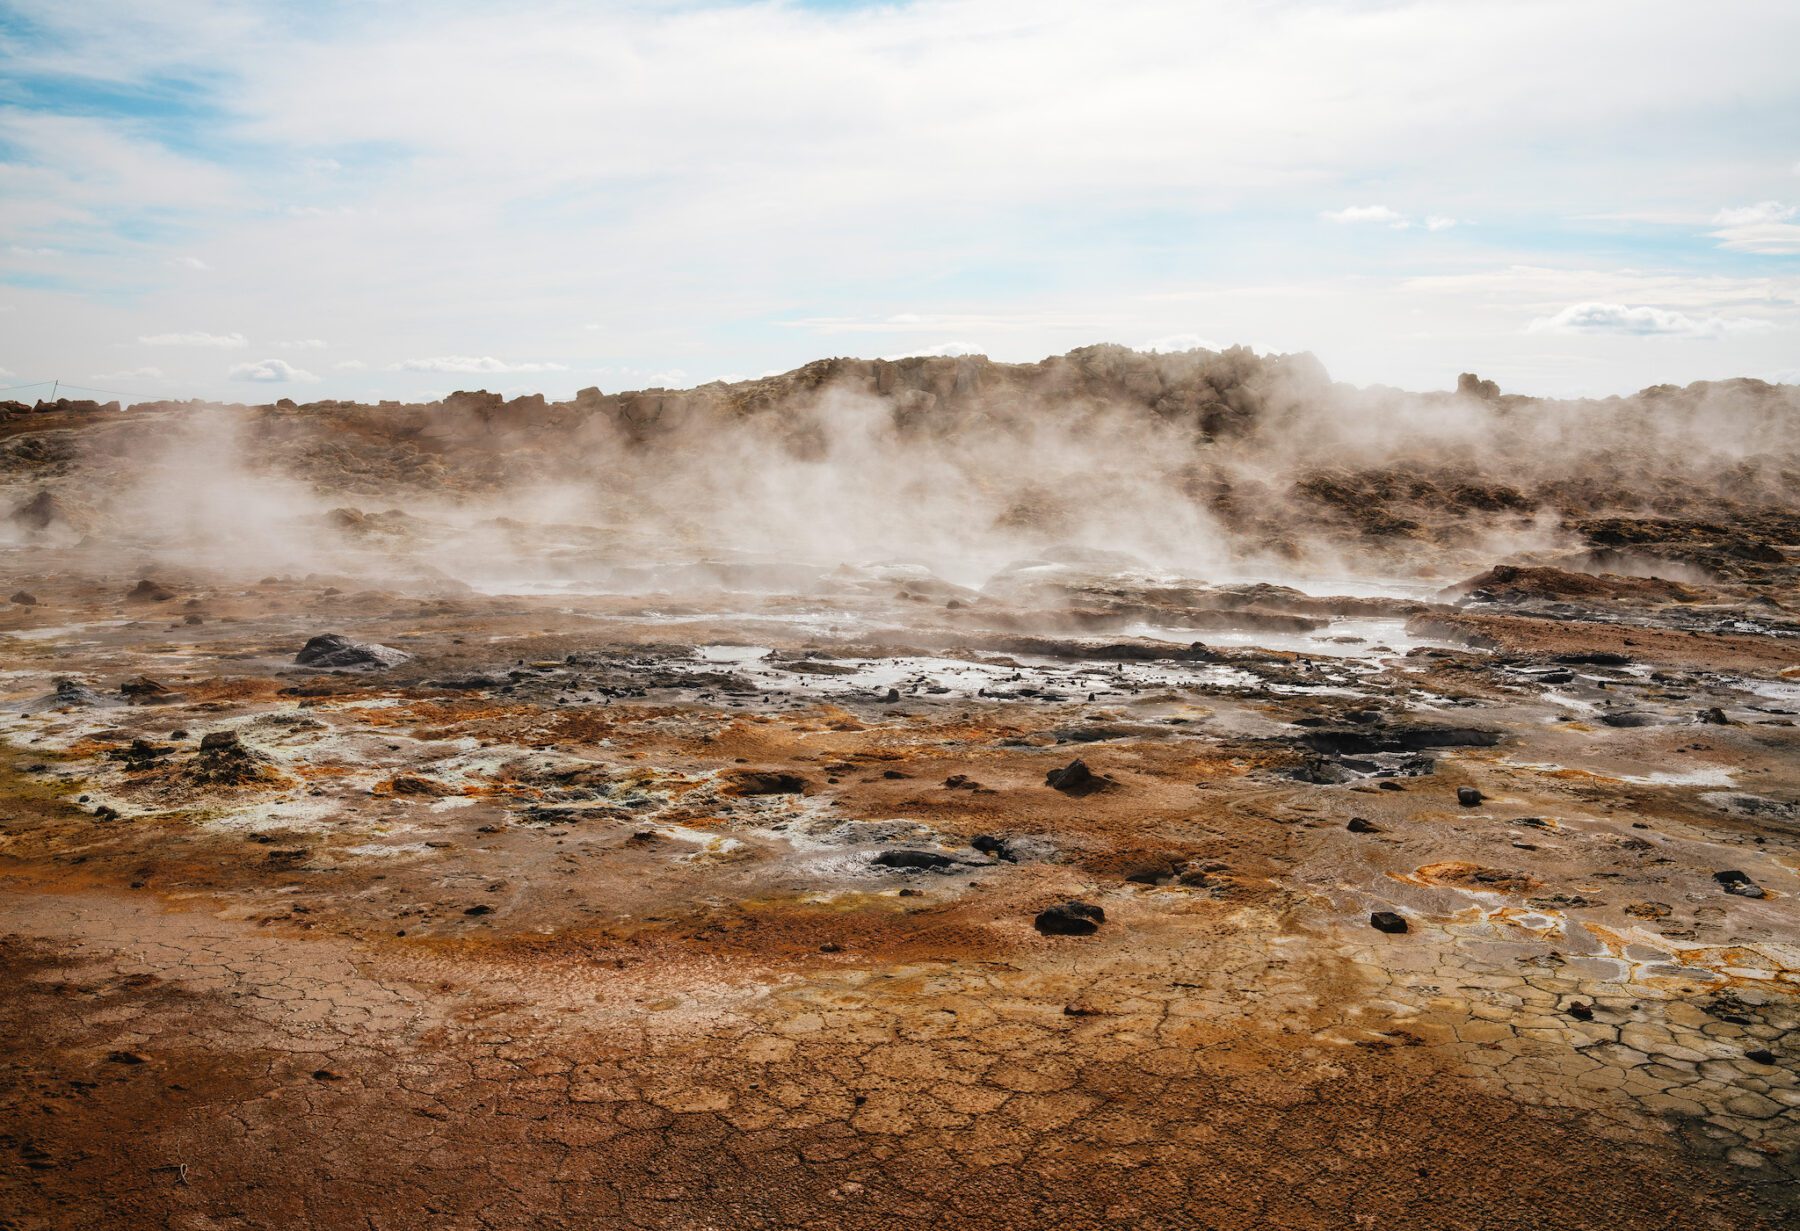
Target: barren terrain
<point>664,810</point>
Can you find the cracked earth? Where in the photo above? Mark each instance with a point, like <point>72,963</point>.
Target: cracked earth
<point>591,915</point>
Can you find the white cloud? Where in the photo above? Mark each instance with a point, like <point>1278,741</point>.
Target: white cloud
<point>272,371</point>
<point>1641,320</point>
<point>350,365</point>
<point>474,364</point>
<point>1381,215</point>
<point>22,250</point>
<point>129,374</point>
<point>188,262</point>
<point>1368,213</point>
<point>835,167</point>
<point>673,378</point>
<point>301,344</point>
<point>1768,228</point>
<point>222,341</point>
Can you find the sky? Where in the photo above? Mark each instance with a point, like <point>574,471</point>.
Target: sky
<point>384,199</point>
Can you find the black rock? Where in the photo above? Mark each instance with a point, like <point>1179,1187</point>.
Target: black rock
<point>1628,718</point>
<point>1581,1011</point>
<point>1714,717</point>
<point>1761,1055</point>
<point>1469,797</point>
<point>1358,825</point>
<point>1733,881</point>
<point>1387,921</point>
<point>1076,778</point>
<point>918,861</point>
<point>1069,919</point>
<point>338,652</point>
<point>24,598</point>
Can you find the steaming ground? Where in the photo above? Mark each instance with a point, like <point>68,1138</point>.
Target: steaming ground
<point>679,829</point>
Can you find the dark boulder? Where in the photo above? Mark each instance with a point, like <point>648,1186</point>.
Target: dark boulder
<point>335,651</point>
<point>1733,881</point>
<point>1469,797</point>
<point>915,861</point>
<point>1069,919</point>
<point>1077,779</point>
<point>1387,921</point>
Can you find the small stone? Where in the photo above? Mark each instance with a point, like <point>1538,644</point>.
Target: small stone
<point>1388,921</point>
<point>1358,825</point>
<point>1069,919</point>
<point>915,861</point>
<point>1468,796</point>
<point>1076,778</point>
<point>1733,881</point>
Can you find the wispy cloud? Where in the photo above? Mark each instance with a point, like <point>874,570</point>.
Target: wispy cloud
<point>1642,320</point>
<point>272,371</point>
<point>222,341</point>
<point>776,194</point>
<point>1767,227</point>
<point>301,344</point>
<point>188,262</point>
<point>1381,215</point>
<point>473,365</point>
<point>129,374</point>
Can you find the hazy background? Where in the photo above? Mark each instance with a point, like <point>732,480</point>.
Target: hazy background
<point>256,199</point>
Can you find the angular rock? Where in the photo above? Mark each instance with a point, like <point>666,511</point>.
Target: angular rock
<point>1734,881</point>
<point>1069,919</point>
<point>1388,921</point>
<point>337,652</point>
<point>1077,779</point>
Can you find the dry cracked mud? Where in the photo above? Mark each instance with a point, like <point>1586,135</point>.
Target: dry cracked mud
<point>561,924</point>
<point>585,866</point>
